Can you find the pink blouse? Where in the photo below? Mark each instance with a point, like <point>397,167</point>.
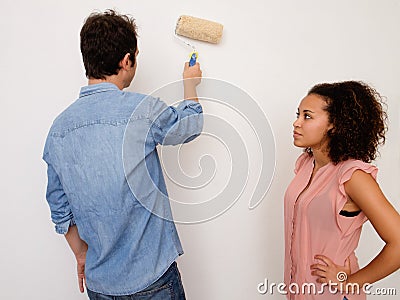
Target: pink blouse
<point>314,226</point>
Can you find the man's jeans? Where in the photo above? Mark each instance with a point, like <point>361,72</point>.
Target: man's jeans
<point>169,286</point>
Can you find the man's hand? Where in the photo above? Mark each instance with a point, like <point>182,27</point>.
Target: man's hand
<point>192,78</point>
<point>81,271</point>
<point>79,248</point>
<point>192,72</point>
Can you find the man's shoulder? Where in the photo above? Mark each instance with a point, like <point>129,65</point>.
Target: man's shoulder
<point>85,111</point>
<point>137,98</point>
<point>61,119</point>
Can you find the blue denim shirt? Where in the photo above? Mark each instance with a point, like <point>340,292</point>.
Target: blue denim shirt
<point>129,247</point>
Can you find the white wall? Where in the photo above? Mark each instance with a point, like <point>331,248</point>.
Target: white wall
<point>274,50</point>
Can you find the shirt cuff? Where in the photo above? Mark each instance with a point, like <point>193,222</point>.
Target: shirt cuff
<point>190,104</point>
<point>63,228</point>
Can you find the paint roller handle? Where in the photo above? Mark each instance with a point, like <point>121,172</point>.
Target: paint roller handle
<point>193,58</point>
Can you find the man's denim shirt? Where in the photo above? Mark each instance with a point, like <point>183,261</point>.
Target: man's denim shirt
<point>129,247</point>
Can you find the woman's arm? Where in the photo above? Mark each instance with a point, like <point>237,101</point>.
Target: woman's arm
<point>366,193</point>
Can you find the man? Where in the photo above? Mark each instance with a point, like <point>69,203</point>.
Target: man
<point>122,248</point>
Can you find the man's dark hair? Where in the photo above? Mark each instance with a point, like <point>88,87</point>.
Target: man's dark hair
<point>105,39</point>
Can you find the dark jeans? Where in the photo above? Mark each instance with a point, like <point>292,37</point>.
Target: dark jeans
<point>169,286</point>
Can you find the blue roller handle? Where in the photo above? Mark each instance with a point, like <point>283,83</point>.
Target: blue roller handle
<point>192,60</point>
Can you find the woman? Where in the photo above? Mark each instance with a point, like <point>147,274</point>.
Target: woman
<point>334,192</point>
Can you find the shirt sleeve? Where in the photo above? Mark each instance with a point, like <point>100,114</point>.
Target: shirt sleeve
<point>61,213</point>
<point>175,125</point>
<point>348,224</point>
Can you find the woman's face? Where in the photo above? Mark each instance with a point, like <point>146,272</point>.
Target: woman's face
<point>312,124</point>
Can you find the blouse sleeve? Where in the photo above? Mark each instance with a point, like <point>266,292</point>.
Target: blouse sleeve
<point>348,224</point>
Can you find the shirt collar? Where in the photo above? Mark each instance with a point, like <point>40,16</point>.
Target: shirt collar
<point>97,88</point>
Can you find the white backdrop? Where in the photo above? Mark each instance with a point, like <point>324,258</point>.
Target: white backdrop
<point>274,50</point>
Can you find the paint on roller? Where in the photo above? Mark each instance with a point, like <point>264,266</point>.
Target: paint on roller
<point>199,29</point>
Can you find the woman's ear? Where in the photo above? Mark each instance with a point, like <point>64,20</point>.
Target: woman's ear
<point>331,130</point>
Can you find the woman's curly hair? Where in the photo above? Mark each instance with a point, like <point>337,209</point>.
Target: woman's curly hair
<point>356,112</point>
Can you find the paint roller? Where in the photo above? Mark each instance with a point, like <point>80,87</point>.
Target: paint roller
<point>198,29</point>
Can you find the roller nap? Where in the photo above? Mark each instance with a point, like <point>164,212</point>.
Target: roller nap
<point>199,29</point>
